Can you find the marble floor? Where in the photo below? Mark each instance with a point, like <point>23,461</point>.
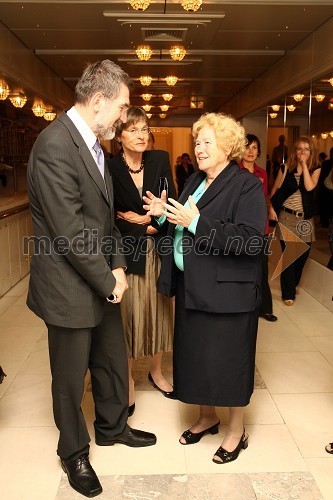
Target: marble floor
<point>289,420</point>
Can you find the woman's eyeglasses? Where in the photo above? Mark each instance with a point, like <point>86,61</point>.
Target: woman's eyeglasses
<point>304,150</point>
<point>137,131</point>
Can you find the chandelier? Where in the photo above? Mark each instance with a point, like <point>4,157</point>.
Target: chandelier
<point>167,97</point>
<point>177,52</point>
<point>191,5</point>
<point>276,107</point>
<point>140,4</point>
<point>18,100</point>
<point>298,97</point>
<point>331,81</point>
<point>49,116</point>
<point>273,115</point>
<point>171,80</point>
<point>147,107</point>
<point>38,109</point>
<point>149,115</point>
<point>291,107</point>
<point>162,115</point>
<point>319,97</point>
<point>164,107</point>
<point>145,80</point>
<point>146,97</point>
<point>4,90</point>
<point>324,135</point>
<point>144,52</point>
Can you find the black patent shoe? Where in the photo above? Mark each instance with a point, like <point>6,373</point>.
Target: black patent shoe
<point>81,476</point>
<point>269,317</point>
<point>194,437</point>
<point>167,394</point>
<point>329,448</point>
<point>131,410</point>
<point>230,456</point>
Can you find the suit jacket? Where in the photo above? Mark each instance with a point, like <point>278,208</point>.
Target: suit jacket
<point>77,243</point>
<point>127,197</point>
<point>182,175</point>
<point>222,268</point>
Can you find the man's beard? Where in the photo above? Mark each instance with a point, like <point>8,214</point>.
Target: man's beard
<point>106,133</point>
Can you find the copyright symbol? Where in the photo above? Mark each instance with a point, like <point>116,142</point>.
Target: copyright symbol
<point>304,227</point>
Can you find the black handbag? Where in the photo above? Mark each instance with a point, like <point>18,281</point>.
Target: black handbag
<point>2,375</point>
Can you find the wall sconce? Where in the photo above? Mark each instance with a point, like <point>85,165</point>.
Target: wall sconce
<point>38,109</point>
<point>298,97</point>
<point>18,100</point>
<point>177,53</point>
<point>140,4</point>
<point>171,80</point>
<point>4,90</point>
<point>147,107</point>
<point>146,97</point>
<point>167,97</point>
<point>49,116</point>
<point>164,107</point>
<point>276,107</point>
<point>162,115</point>
<point>145,80</point>
<point>320,97</point>
<point>291,107</point>
<point>273,115</point>
<point>191,5</point>
<point>144,52</point>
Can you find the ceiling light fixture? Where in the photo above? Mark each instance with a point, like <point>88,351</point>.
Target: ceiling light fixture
<point>146,107</point>
<point>298,97</point>
<point>273,115</point>
<point>164,107</point>
<point>191,5</point>
<point>140,4</point>
<point>38,109</point>
<point>49,116</point>
<point>144,52</point>
<point>146,97</point>
<point>171,80</point>
<point>320,97</point>
<point>4,90</point>
<point>18,100</point>
<point>331,81</point>
<point>291,107</point>
<point>276,107</point>
<point>167,97</point>
<point>324,135</point>
<point>149,115</point>
<point>177,52</point>
<point>162,115</point>
<point>145,80</point>
<point>331,134</point>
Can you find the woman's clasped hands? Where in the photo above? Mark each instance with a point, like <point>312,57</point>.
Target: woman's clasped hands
<point>175,212</point>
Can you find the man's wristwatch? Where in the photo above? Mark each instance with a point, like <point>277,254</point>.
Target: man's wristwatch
<point>112,298</point>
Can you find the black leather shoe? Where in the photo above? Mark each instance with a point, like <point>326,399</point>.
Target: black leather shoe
<point>133,437</point>
<point>269,317</point>
<point>81,476</point>
<point>131,410</point>
<point>167,394</point>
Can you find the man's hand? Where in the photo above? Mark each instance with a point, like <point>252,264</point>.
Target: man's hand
<point>121,283</point>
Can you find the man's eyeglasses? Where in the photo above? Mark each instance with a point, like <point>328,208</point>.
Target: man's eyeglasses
<point>304,150</point>
<point>137,131</point>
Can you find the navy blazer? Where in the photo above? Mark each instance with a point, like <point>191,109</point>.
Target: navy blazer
<point>222,268</point>
<point>127,197</point>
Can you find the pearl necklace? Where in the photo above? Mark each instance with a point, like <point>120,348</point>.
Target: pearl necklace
<point>131,170</point>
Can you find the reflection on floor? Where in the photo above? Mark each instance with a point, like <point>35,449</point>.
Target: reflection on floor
<point>289,420</point>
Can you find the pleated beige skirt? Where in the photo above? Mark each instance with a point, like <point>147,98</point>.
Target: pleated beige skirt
<point>148,316</point>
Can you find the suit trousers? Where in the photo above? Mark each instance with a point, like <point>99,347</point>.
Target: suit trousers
<point>291,276</point>
<point>101,349</point>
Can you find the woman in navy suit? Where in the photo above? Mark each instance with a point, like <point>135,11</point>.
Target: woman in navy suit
<point>147,315</point>
<point>214,272</point>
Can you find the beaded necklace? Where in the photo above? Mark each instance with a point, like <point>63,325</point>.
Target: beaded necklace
<point>131,170</point>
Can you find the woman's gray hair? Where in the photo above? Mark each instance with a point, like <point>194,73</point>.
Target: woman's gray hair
<point>103,76</point>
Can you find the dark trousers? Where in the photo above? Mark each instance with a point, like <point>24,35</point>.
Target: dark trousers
<point>266,295</point>
<point>101,349</point>
<point>291,276</point>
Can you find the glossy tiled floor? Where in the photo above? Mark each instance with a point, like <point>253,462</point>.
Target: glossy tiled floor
<point>289,420</point>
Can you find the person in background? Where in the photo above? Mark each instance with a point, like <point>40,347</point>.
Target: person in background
<point>147,315</point>
<point>323,195</point>
<point>297,184</point>
<point>183,172</point>
<point>215,281</point>
<point>328,183</point>
<point>151,142</point>
<point>252,152</point>
<point>279,155</point>
<point>77,277</point>
<point>322,157</point>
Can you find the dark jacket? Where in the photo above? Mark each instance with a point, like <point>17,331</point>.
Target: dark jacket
<point>221,272</point>
<point>182,175</point>
<point>127,197</point>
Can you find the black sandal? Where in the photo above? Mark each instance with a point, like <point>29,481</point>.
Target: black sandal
<point>329,448</point>
<point>230,456</point>
<point>194,437</point>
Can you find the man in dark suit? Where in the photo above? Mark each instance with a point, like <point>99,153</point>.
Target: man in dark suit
<point>183,172</point>
<point>77,272</point>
